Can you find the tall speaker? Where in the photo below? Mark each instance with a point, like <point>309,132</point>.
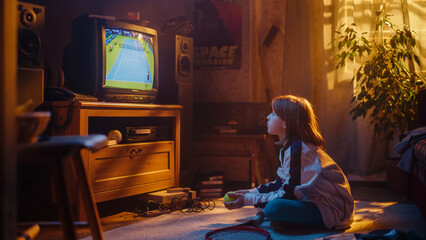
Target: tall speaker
<point>176,87</point>
<point>30,81</point>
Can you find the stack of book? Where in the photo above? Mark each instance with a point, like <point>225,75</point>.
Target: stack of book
<point>210,185</point>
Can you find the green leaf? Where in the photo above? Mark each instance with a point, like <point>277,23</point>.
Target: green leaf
<point>408,32</point>
<point>393,42</point>
<point>339,46</point>
<point>364,40</point>
<point>403,39</point>
<point>412,41</point>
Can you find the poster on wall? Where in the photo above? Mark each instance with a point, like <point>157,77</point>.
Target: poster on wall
<point>217,36</point>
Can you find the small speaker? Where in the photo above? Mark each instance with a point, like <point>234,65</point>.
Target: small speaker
<point>183,59</point>
<point>30,82</point>
<point>30,35</point>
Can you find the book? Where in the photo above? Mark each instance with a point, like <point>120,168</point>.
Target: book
<point>214,175</point>
<point>198,187</point>
<point>219,177</point>
<point>207,190</point>
<point>228,131</point>
<point>211,182</point>
<point>211,194</point>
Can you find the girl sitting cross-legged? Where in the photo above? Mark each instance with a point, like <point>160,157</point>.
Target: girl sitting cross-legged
<point>311,189</point>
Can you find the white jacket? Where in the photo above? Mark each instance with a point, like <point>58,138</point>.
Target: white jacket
<point>322,182</point>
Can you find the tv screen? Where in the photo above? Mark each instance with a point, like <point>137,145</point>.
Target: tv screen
<point>130,59</point>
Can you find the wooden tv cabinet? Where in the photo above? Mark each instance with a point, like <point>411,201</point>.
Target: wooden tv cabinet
<point>124,169</point>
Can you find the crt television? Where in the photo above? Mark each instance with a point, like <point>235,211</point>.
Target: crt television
<point>113,60</point>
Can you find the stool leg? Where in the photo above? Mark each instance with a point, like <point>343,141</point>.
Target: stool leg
<point>88,197</point>
<point>62,200</point>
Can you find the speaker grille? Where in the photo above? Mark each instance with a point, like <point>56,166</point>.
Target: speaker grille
<point>184,46</point>
<point>30,36</point>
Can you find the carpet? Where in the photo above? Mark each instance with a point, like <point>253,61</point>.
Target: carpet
<point>369,216</point>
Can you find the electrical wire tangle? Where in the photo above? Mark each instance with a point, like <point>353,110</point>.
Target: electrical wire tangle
<point>183,204</point>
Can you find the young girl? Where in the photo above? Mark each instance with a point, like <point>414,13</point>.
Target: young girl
<point>311,189</point>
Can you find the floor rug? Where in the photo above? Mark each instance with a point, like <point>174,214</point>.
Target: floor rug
<point>369,216</point>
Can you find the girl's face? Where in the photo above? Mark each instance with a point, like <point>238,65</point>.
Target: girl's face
<point>276,126</point>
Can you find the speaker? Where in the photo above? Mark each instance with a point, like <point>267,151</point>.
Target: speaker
<point>183,59</point>
<point>30,35</point>
<point>30,82</point>
<point>176,87</point>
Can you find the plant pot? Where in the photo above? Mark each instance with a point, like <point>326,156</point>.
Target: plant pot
<point>397,178</point>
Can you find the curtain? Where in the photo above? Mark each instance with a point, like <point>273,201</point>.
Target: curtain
<point>352,144</point>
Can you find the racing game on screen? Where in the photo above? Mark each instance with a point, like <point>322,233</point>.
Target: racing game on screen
<point>129,59</point>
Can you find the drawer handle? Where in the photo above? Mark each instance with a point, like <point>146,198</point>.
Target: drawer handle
<point>134,153</point>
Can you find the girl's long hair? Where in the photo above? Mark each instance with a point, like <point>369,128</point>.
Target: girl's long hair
<point>301,122</point>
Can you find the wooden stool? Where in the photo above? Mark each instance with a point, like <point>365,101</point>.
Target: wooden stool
<point>54,152</point>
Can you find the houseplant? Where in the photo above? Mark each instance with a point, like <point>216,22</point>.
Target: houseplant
<point>385,83</point>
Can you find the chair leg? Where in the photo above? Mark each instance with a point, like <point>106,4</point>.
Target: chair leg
<point>62,201</point>
<point>88,197</point>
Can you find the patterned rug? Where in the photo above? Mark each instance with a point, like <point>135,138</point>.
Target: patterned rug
<point>369,216</point>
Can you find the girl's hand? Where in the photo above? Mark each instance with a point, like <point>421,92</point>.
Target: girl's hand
<point>237,203</point>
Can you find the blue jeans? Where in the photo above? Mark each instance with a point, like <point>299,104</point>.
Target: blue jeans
<point>284,210</point>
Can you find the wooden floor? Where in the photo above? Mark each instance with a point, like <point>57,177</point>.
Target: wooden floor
<point>122,212</point>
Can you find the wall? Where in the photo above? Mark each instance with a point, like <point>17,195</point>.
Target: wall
<point>267,58</point>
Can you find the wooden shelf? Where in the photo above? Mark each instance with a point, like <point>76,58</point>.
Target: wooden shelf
<point>124,169</point>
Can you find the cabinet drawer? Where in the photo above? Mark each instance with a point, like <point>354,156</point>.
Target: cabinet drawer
<point>123,166</point>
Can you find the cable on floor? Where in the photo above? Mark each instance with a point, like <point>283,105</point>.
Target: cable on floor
<point>183,204</point>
